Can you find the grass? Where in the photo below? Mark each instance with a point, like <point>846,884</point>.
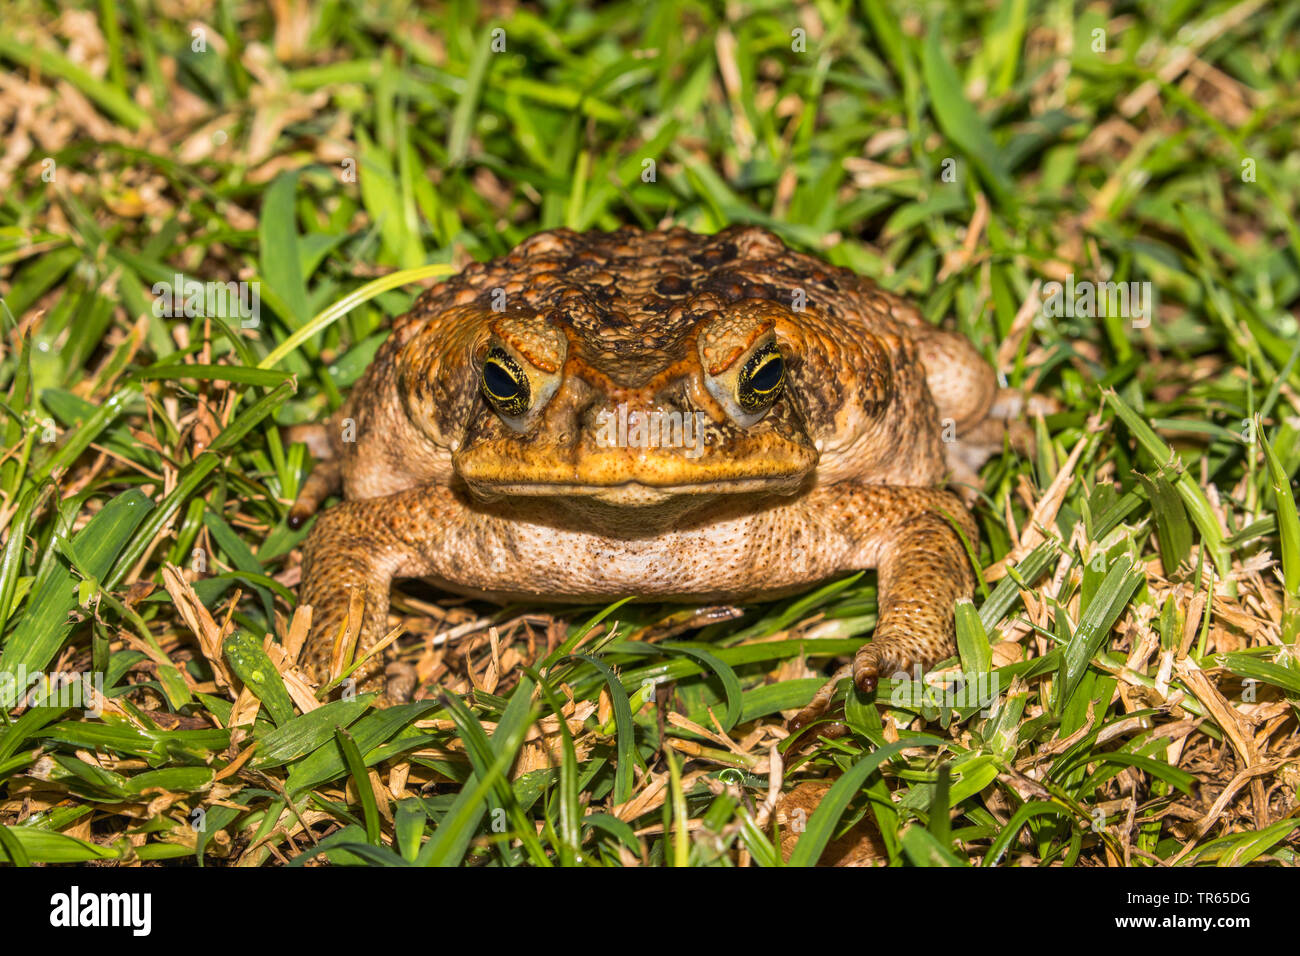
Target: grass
<point>1141,598</point>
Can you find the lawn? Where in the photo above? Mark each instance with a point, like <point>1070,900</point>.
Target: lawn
<point>1134,636</point>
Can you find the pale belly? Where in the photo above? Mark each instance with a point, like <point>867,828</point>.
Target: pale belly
<point>724,551</point>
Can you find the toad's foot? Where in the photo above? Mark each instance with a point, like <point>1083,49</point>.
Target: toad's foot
<point>350,559</point>
<point>326,477</point>
<point>923,571</point>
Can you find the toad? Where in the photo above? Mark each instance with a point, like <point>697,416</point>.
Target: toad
<point>679,417</point>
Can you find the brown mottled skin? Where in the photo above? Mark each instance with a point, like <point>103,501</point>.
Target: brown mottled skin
<point>843,471</point>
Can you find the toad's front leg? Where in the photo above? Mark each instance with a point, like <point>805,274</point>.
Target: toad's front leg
<point>357,548</point>
<point>922,571</point>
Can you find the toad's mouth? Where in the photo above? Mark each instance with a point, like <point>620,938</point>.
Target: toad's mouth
<point>636,494</point>
<point>767,464</point>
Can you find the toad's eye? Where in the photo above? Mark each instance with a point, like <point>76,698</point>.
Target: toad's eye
<point>761,380</point>
<point>505,385</point>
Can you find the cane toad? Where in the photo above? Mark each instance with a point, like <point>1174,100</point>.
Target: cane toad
<point>675,416</point>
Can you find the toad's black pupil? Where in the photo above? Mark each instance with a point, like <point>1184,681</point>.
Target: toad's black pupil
<point>768,376</point>
<point>498,381</point>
